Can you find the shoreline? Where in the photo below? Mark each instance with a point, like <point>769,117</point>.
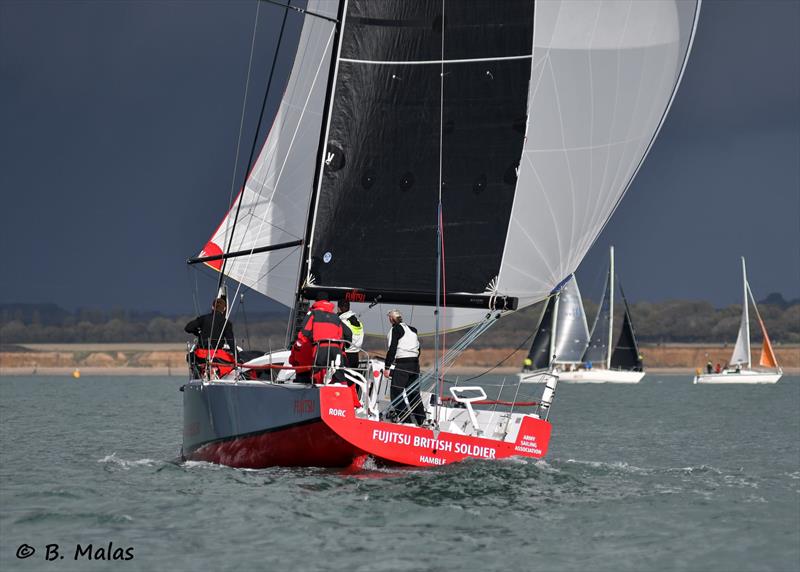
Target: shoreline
<point>169,359</point>
<point>181,372</point>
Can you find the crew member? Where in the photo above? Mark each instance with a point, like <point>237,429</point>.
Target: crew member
<point>402,364</point>
<point>213,328</point>
<point>352,323</point>
<point>527,365</point>
<point>214,336</point>
<point>317,342</point>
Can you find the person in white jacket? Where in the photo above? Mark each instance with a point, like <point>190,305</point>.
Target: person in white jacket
<point>402,364</point>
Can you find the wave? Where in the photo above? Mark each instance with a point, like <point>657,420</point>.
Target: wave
<point>115,461</point>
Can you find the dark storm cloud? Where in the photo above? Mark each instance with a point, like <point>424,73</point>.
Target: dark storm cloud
<point>119,123</point>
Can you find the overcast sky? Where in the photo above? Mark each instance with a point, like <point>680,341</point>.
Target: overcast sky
<point>119,121</point>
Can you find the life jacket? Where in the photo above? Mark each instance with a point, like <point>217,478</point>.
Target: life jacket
<point>408,345</point>
<point>221,362</point>
<point>325,324</point>
<point>358,331</point>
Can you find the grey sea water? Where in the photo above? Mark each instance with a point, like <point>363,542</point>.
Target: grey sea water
<point>660,476</point>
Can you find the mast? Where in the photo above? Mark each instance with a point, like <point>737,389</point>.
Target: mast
<point>746,315</point>
<point>611,309</point>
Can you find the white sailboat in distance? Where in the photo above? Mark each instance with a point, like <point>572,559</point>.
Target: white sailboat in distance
<point>741,368</point>
<point>564,346</point>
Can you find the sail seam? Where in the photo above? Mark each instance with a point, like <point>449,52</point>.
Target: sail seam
<point>434,62</point>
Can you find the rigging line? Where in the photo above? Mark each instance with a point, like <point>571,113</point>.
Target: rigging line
<point>244,108</point>
<point>505,359</point>
<point>255,139</point>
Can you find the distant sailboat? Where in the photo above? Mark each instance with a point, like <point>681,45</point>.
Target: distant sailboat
<point>562,335</point>
<point>741,369</point>
<point>563,343</point>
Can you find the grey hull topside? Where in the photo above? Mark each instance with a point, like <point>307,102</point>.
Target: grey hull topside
<point>218,411</point>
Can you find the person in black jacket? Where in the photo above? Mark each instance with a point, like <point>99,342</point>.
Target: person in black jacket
<point>212,329</point>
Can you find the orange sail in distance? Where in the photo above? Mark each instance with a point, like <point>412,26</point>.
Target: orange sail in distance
<point>767,355</point>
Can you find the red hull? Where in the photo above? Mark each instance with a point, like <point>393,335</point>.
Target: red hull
<point>308,445</point>
<point>418,447</point>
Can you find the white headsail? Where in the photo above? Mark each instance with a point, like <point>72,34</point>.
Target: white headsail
<point>274,208</point>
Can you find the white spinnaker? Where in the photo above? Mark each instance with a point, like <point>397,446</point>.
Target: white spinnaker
<point>603,77</point>
<point>277,192</point>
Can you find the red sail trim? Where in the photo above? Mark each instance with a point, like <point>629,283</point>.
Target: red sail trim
<point>212,249</point>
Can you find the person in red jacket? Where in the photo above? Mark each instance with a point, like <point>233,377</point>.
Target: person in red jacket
<point>316,342</point>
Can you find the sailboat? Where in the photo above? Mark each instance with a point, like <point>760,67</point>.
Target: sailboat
<point>577,356</point>
<point>421,152</point>
<point>562,336</point>
<point>740,368</point>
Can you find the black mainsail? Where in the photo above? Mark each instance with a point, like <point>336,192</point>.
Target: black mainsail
<point>375,218</point>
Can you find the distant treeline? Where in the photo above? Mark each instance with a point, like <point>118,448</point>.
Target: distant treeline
<point>655,322</point>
